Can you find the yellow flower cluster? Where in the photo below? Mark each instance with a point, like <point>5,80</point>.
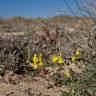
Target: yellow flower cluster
<point>38,61</point>
<point>77,55</point>
<point>58,59</point>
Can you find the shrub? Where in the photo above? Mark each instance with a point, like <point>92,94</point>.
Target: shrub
<point>86,82</point>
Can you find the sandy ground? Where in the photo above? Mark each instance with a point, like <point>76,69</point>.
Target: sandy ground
<point>39,86</point>
<point>10,34</point>
<point>29,87</point>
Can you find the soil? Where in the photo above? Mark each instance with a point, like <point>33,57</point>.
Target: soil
<point>37,87</point>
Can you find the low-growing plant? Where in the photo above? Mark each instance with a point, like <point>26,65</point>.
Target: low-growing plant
<point>86,81</point>
<point>63,80</point>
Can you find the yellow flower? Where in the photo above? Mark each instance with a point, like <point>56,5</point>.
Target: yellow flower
<point>67,74</point>
<point>35,66</point>
<point>41,64</point>
<point>35,58</point>
<point>41,59</point>
<point>73,58</point>
<point>55,59</point>
<point>60,60</point>
<point>78,52</point>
